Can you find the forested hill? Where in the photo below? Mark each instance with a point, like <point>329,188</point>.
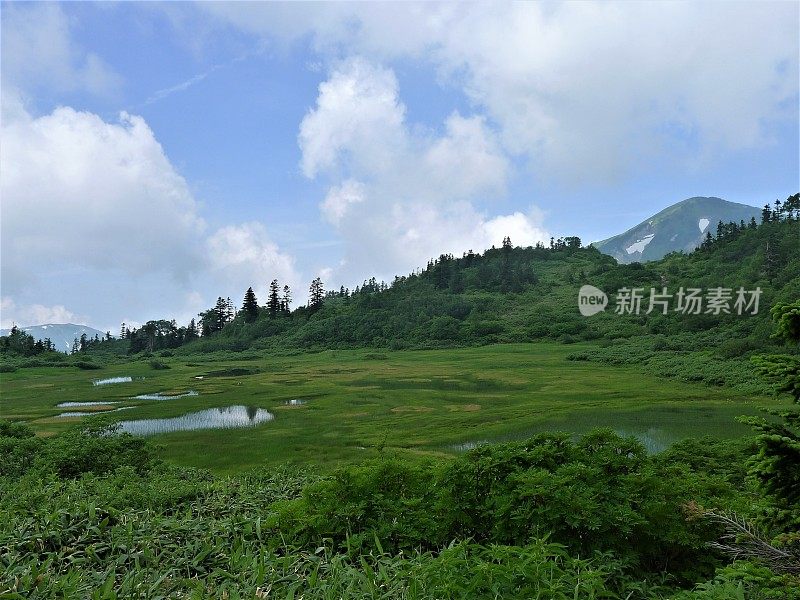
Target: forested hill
<point>514,294</point>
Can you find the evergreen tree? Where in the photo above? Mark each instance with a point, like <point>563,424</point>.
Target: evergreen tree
<point>316,294</point>
<point>230,311</point>
<point>250,306</point>
<point>273,301</point>
<point>286,301</point>
<point>775,465</point>
<point>191,332</point>
<point>766,214</point>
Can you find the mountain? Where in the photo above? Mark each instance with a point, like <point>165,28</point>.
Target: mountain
<point>681,226</point>
<point>61,334</point>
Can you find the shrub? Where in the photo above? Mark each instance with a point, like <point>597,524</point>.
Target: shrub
<point>87,366</point>
<point>158,365</point>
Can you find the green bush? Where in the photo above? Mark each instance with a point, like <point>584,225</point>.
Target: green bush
<point>87,366</point>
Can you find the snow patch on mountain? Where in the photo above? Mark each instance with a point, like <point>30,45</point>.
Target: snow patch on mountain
<point>702,224</point>
<point>641,244</point>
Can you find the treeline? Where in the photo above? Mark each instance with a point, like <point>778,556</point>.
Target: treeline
<point>505,294</point>
<point>23,344</point>
<point>782,211</point>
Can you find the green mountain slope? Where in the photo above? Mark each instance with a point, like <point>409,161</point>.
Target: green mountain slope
<point>524,294</point>
<point>680,227</point>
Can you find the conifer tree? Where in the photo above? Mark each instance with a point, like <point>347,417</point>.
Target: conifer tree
<point>191,332</point>
<point>250,306</point>
<point>286,301</point>
<point>316,294</point>
<point>273,301</point>
<point>775,465</point>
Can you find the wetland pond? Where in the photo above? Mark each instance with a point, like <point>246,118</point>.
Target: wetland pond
<point>225,417</point>
<point>111,380</point>
<point>160,396</point>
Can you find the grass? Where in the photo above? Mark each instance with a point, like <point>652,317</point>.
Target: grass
<point>360,403</point>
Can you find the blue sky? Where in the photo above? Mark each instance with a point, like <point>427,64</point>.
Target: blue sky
<point>158,155</point>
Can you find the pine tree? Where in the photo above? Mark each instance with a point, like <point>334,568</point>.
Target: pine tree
<point>273,301</point>
<point>316,294</point>
<point>286,301</point>
<point>191,332</point>
<point>250,306</point>
<point>775,465</point>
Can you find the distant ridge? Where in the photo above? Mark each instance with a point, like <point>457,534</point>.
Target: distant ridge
<point>681,226</point>
<point>61,334</point>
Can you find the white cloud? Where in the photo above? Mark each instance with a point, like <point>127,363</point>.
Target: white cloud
<point>94,215</point>
<point>340,199</point>
<point>38,52</point>
<point>79,191</point>
<point>34,314</point>
<point>585,91</point>
<point>241,256</point>
<point>401,194</point>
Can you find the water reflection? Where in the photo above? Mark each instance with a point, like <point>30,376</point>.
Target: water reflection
<point>226,417</point>
<point>295,402</point>
<point>654,439</point>
<point>112,380</point>
<point>160,396</point>
<point>79,404</point>
<point>81,413</point>
<point>467,446</point>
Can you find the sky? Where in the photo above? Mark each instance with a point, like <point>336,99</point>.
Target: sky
<point>156,156</point>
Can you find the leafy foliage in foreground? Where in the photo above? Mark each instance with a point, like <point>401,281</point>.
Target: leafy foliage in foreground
<point>549,517</point>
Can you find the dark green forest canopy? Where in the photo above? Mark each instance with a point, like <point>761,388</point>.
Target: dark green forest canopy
<point>507,294</point>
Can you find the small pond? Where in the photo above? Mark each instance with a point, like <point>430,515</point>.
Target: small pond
<point>654,440</point>
<point>82,413</point>
<point>227,417</point>
<point>79,404</point>
<point>295,402</point>
<point>160,396</point>
<point>112,380</point>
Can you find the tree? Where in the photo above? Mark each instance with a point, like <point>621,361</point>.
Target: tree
<point>230,311</point>
<point>316,294</point>
<point>286,302</point>
<point>775,466</point>
<point>191,332</point>
<point>250,306</point>
<point>274,302</point>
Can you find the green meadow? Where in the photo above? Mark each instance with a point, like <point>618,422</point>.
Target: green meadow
<point>362,403</point>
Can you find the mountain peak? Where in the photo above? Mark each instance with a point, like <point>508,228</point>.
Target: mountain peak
<point>61,334</point>
<point>679,227</point>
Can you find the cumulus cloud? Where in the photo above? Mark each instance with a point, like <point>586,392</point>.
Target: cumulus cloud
<point>239,254</point>
<point>400,194</point>
<point>89,204</point>
<point>38,51</point>
<point>583,91</point>
<point>12,314</point>
<point>80,191</point>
